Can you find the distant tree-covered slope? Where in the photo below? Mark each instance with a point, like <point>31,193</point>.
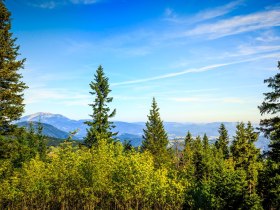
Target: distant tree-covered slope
<point>48,130</point>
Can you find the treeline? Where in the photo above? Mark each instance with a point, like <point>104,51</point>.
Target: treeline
<point>102,173</point>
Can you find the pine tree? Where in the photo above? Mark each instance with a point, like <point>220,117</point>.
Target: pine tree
<point>198,159</point>
<point>155,137</point>
<point>222,141</point>
<point>205,142</point>
<point>271,128</point>
<point>188,139</point>
<point>42,144</point>
<point>188,152</point>
<point>100,127</point>
<point>239,146</point>
<point>246,157</point>
<point>11,86</point>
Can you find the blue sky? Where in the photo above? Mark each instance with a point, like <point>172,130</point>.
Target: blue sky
<point>204,61</point>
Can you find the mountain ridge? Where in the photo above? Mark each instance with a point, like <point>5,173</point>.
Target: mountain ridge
<point>134,131</point>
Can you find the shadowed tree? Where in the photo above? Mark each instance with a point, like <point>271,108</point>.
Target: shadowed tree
<point>11,86</point>
<point>205,142</point>
<point>271,128</point>
<point>246,157</point>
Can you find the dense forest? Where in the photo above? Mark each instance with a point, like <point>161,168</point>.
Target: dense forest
<point>102,173</point>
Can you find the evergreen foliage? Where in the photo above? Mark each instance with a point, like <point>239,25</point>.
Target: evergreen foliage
<point>188,139</point>
<point>223,141</point>
<point>155,138</point>
<point>271,128</point>
<point>205,142</point>
<point>246,157</point>
<point>100,127</point>
<point>11,86</point>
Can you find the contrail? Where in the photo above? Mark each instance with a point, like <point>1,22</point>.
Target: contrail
<point>193,70</point>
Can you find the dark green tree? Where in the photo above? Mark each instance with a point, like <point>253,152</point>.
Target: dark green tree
<point>246,157</point>
<point>100,127</point>
<point>188,153</point>
<point>223,141</point>
<point>198,159</point>
<point>42,142</point>
<point>205,142</point>
<point>271,129</point>
<point>188,139</point>
<point>11,86</point>
<point>155,136</point>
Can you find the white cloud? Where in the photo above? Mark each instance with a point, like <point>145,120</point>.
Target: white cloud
<point>268,36</point>
<point>50,4</point>
<point>217,12</point>
<point>249,50</point>
<point>203,15</point>
<point>237,25</point>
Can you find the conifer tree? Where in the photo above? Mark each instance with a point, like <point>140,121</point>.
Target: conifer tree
<point>42,144</point>
<point>223,140</point>
<point>188,139</point>
<point>188,151</point>
<point>11,86</point>
<point>100,127</point>
<point>205,142</point>
<point>198,159</point>
<point>271,128</point>
<point>246,155</point>
<point>155,137</point>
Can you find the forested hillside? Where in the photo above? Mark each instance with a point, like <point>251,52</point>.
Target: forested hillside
<point>103,173</point>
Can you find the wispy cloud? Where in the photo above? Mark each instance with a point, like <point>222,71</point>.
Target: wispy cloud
<point>237,25</point>
<point>250,50</point>
<point>54,95</point>
<point>194,70</point>
<point>230,100</point>
<point>268,36</point>
<point>51,4</point>
<point>218,11</point>
<point>202,15</point>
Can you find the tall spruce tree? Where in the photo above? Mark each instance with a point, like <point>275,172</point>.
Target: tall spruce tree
<point>11,86</point>
<point>155,137</point>
<point>188,139</point>
<point>223,141</point>
<point>271,128</point>
<point>246,157</point>
<point>100,127</point>
<point>198,159</point>
<point>205,142</point>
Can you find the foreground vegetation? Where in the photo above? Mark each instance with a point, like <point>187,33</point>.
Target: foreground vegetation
<point>108,176</point>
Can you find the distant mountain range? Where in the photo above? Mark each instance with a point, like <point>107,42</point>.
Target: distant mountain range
<point>132,131</point>
<point>173,129</point>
